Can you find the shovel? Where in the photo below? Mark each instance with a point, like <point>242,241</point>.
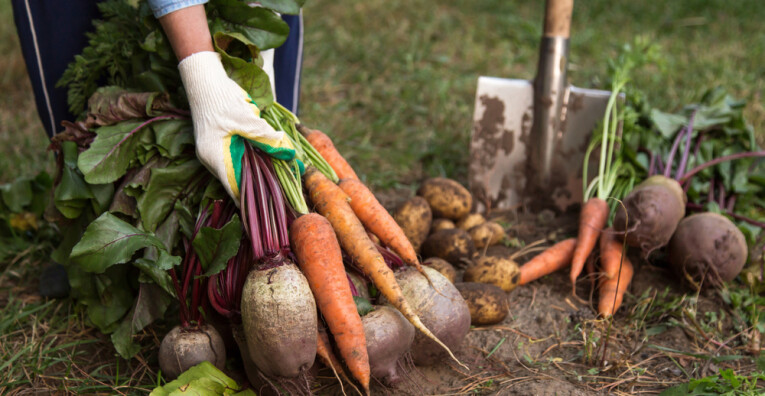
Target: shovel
<point>529,137</point>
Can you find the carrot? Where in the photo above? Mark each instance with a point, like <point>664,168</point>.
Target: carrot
<point>323,144</point>
<point>618,274</point>
<point>331,202</point>
<point>324,351</point>
<point>376,219</point>
<point>552,259</point>
<point>319,256</point>
<point>592,219</point>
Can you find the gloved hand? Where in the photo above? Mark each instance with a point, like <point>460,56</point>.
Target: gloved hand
<point>223,113</point>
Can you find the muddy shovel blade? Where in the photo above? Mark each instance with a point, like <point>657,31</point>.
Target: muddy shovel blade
<point>500,145</point>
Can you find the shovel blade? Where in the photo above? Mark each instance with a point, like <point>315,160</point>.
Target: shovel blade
<point>499,147</point>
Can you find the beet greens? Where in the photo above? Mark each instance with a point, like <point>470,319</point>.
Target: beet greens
<point>710,149</point>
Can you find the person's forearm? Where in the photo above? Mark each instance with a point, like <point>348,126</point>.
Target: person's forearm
<point>187,31</point>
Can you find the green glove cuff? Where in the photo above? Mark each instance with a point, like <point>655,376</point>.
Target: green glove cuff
<point>236,150</point>
<point>282,153</point>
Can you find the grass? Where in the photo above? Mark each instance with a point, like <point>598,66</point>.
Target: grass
<point>393,82</point>
<point>47,345</point>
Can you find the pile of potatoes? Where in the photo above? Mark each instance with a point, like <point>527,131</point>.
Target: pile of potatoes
<point>441,225</point>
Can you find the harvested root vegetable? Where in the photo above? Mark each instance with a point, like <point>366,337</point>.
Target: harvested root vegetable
<point>318,253</point>
<point>653,210</point>
<point>500,271</point>
<point>444,312</point>
<point>594,214</point>
<point>446,198</point>
<point>555,257</point>
<point>708,248</point>
<point>331,202</point>
<point>453,245</point>
<point>194,341</point>
<point>441,224</point>
<point>389,336</point>
<point>279,320</point>
<point>488,304</point>
<point>592,220</point>
<point>470,221</point>
<point>249,366</point>
<point>617,274</point>
<point>323,144</point>
<point>487,234</point>
<point>414,217</point>
<point>442,266</point>
<point>277,306</point>
<point>376,219</point>
<point>185,347</point>
<point>325,354</point>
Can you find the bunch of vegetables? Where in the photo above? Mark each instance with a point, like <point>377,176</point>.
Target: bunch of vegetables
<point>129,186</point>
<point>682,160</point>
<point>144,223</point>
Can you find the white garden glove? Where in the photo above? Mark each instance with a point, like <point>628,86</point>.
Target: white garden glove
<point>223,112</point>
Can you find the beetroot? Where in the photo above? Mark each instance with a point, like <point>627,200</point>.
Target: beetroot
<point>279,320</point>
<point>389,336</point>
<point>444,312</point>
<point>185,347</point>
<point>709,248</point>
<point>654,207</point>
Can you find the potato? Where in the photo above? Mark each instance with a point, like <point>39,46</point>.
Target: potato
<point>442,266</point>
<point>453,245</point>
<point>441,224</point>
<point>446,197</point>
<point>470,221</point>
<point>488,304</point>
<point>414,218</point>
<point>495,270</point>
<point>487,234</point>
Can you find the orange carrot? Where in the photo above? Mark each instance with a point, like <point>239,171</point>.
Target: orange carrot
<point>552,259</point>
<point>376,219</point>
<point>618,272</point>
<point>319,256</point>
<point>323,144</point>
<point>592,219</point>
<point>331,202</point>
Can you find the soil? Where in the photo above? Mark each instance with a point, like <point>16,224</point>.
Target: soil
<point>552,343</point>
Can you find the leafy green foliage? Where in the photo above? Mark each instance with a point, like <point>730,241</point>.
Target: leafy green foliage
<point>150,304</point>
<point>204,379</point>
<point>113,54</point>
<point>719,129</point>
<point>166,187</point>
<point>129,186</point>
<point>108,241</point>
<point>216,246</point>
<point>727,382</point>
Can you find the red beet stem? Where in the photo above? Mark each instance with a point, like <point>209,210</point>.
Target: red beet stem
<point>716,161</point>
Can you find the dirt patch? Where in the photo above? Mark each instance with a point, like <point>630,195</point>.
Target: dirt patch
<point>553,343</point>
<point>550,343</point>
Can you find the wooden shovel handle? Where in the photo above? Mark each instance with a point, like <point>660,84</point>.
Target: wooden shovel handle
<point>558,18</point>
